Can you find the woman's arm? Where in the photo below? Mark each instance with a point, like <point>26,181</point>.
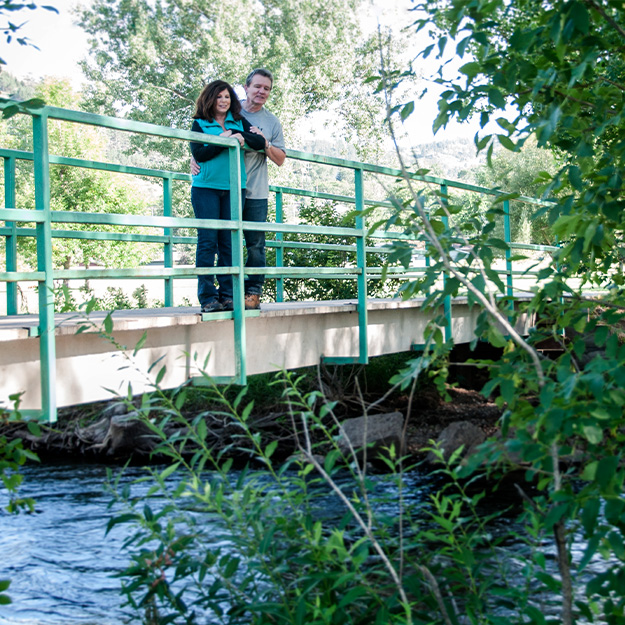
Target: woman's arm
<point>252,139</point>
<point>202,153</point>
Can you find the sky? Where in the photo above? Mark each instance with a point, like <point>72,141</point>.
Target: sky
<point>61,45</point>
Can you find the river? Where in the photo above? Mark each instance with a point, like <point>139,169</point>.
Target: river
<point>59,560</point>
<point>62,563</point>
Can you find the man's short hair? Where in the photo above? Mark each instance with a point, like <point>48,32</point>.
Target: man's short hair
<point>259,70</point>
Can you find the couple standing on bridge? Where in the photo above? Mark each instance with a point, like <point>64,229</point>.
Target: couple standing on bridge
<point>219,112</point>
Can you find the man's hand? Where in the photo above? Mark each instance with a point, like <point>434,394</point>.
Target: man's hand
<point>258,131</point>
<point>275,154</point>
<point>195,168</point>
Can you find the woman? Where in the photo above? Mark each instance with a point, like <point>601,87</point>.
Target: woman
<point>217,112</point>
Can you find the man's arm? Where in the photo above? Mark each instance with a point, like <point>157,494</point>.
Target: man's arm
<point>275,146</point>
<point>277,155</point>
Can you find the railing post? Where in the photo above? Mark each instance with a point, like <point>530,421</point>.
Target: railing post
<point>447,300</point>
<point>238,279</point>
<point>11,239</point>
<point>47,344</point>
<point>361,260</point>
<point>280,247</point>
<point>168,251</point>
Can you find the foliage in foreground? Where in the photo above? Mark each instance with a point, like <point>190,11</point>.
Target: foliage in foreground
<point>313,540</point>
<point>319,539</point>
<point>560,65</point>
<point>11,30</point>
<point>550,72</point>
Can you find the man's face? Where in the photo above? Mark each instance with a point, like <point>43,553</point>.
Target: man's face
<point>258,90</point>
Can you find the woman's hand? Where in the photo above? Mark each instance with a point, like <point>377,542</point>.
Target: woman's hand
<point>238,137</point>
<point>195,168</point>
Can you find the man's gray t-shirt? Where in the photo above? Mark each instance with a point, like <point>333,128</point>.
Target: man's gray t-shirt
<point>256,162</point>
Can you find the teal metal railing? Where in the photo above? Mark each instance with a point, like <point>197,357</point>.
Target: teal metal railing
<point>48,226</point>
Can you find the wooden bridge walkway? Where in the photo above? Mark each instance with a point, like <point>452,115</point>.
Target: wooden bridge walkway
<point>92,367</point>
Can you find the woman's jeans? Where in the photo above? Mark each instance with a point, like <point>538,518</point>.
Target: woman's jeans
<point>212,204</point>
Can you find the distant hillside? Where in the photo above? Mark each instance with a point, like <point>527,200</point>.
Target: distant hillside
<point>454,159</point>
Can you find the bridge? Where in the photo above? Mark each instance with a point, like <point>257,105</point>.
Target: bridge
<point>50,359</point>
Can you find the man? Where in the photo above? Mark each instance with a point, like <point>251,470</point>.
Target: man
<point>257,87</point>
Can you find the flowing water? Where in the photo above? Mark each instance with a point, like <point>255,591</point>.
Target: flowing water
<point>62,564</point>
<point>58,559</point>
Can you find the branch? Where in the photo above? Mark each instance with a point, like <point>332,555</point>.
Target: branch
<point>559,531</point>
<point>175,92</point>
<point>592,4</point>
<point>488,303</point>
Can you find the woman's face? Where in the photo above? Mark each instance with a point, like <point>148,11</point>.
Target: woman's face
<point>222,104</point>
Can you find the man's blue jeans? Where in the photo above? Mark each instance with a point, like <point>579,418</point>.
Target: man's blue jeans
<point>212,204</point>
<point>255,210</point>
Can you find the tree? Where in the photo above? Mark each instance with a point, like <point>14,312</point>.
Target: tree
<point>550,71</point>
<point>522,172</point>
<point>150,60</point>
<point>558,69</point>
<point>326,213</point>
<point>73,189</point>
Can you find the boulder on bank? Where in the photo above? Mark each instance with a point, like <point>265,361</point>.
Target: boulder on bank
<point>119,434</point>
<point>455,435</point>
<point>372,433</point>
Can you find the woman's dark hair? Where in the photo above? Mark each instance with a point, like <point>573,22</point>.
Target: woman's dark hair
<point>205,105</point>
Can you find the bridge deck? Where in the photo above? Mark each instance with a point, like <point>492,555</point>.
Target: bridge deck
<point>280,335</point>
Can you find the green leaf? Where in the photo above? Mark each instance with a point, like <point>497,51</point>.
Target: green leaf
<point>507,143</point>
<point>202,430</point>
<point>108,324</point>
<point>591,548</point>
<point>353,594</point>
<point>590,471</point>
<point>470,70</point>
<point>160,375</point>
<point>10,111</point>
<point>593,434</point>
<point>148,514</point>
<point>169,470</point>
<point>122,518</point>
<point>34,428</point>
<point>140,343</point>
<point>580,17</point>
<point>606,470</point>
<point>496,98</point>
<point>270,449</point>
<point>33,104</point>
<point>589,515</point>
<point>407,110</point>
<point>231,567</point>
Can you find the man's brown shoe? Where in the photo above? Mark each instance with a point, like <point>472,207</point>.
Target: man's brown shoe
<point>252,301</point>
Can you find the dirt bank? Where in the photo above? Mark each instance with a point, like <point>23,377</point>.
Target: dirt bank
<point>110,431</point>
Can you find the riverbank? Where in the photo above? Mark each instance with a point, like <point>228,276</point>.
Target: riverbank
<point>113,432</point>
